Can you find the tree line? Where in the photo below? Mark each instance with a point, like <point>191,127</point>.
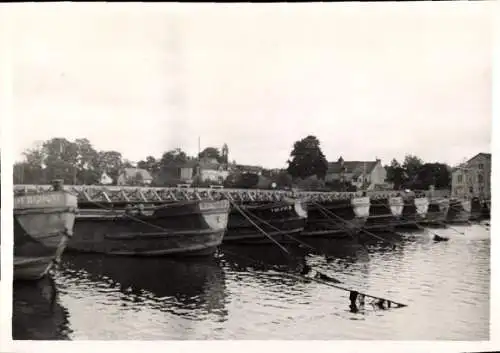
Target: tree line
<point>309,165</point>
<point>78,162</point>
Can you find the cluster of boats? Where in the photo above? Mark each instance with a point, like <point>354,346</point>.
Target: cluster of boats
<point>49,222</point>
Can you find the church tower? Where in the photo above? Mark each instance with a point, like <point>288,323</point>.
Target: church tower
<point>225,154</point>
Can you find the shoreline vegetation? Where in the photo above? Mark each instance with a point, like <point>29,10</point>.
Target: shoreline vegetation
<point>79,163</point>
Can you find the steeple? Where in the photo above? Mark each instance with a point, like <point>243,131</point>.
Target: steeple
<point>225,153</point>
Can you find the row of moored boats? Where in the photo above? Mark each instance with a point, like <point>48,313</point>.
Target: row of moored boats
<point>48,223</point>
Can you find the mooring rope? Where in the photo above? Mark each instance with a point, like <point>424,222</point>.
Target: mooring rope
<point>345,228</point>
<point>325,212</point>
<point>319,280</point>
<point>284,233</point>
<point>351,291</point>
<point>257,226</point>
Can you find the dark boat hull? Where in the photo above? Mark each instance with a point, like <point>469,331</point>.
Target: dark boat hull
<point>337,218</point>
<point>476,213</point>
<point>385,214</point>
<point>459,212</point>
<point>275,218</point>
<point>192,228</point>
<point>437,213</point>
<point>43,223</point>
<point>414,213</point>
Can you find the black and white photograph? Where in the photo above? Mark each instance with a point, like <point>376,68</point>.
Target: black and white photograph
<point>311,171</point>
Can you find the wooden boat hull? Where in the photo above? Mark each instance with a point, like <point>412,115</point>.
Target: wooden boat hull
<point>385,214</point>
<point>338,218</point>
<point>437,213</point>
<point>459,211</point>
<point>43,223</point>
<point>275,218</point>
<point>486,209</point>
<point>476,213</point>
<point>414,212</point>
<point>190,228</point>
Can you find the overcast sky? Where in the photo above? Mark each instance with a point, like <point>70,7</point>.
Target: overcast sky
<point>369,80</point>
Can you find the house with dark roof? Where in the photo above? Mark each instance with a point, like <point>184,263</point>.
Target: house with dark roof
<point>472,178</point>
<point>134,176</point>
<point>363,174</point>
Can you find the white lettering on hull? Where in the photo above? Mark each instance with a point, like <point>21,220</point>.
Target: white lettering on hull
<point>46,200</point>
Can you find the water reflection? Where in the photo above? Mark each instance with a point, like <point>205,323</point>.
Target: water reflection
<point>37,312</point>
<point>238,295</point>
<point>191,287</point>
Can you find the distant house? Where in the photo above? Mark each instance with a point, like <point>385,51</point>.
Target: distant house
<point>472,178</point>
<point>179,173</point>
<point>213,171</point>
<point>368,175</point>
<point>134,176</point>
<point>105,179</point>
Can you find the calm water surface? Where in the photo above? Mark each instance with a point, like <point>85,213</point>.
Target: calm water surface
<point>445,284</point>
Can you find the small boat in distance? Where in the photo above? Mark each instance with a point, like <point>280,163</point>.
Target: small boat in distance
<point>187,228</point>
<point>43,224</point>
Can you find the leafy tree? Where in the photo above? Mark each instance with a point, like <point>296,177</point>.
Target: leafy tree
<point>283,180</point>
<point>307,159</point>
<point>150,164</point>
<point>109,162</point>
<point>396,174</point>
<point>436,174</point>
<point>211,152</point>
<point>311,183</point>
<point>412,165</point>
<point>247,181</point>
<point>60,159</point>
<point>174,157</point>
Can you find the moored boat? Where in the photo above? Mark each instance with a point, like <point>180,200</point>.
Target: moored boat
<point>437,212</point>
<point>459,211</point>
<point>476,212</point>
<point>337,218</point>
<point>188,228</point>
<point>414,212</point>
<point>43,224</point>
<point>278,219</point>
<point>385,213</point>
<point>486,209</point>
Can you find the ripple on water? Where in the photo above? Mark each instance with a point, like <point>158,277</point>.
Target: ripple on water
<point>445,284</point>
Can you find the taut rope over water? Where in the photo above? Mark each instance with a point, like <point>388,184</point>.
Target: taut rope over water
<point>257,226</point>
<point>284,233</point>
<point>325,212</point>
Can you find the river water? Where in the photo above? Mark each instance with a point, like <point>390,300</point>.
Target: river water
<point>445,284</point>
